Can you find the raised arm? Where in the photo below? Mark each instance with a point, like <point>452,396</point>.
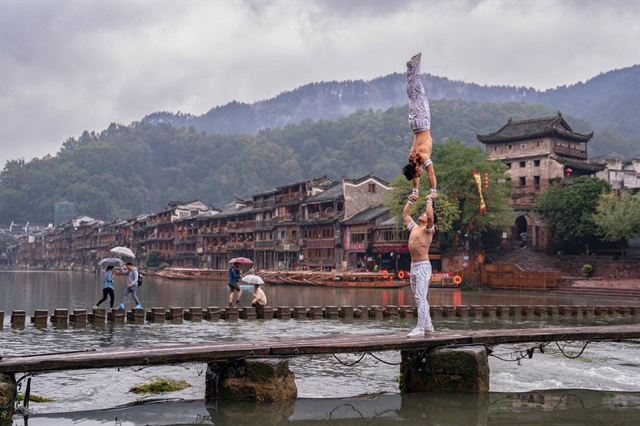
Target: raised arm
<point>406,212</point>
<point>429,211</point>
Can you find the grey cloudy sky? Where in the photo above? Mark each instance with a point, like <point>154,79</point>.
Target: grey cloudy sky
<point>73,65</point>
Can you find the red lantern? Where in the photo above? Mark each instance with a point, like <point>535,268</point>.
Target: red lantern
<point>568,171</point>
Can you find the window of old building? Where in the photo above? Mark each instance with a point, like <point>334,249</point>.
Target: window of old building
<point>536,163</point>
<point>536,180</point>
<point>508,165</point>
<point>372,188</point>
<point>523,181</point>
<point>523,164</point>
<point>509,146</point>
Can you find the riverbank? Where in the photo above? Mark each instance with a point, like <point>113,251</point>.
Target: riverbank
<point>612,283</point>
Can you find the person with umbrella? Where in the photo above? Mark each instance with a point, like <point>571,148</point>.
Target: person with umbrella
<point>132,285</point>
<point>107,287</point>
<point>259,298</point>
<point>234,286</point>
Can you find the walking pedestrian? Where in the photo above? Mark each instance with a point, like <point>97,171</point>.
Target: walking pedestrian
<point>107,288</point>
<point>132,285</point>
<point>234,287</point>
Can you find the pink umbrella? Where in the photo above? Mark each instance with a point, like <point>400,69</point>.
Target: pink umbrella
<point>241,260</point>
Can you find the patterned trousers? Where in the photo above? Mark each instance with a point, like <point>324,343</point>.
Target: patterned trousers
<point>419,114</point>
<point>420,277</point>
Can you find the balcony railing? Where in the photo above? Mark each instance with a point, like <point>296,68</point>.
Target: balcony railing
<point>570,152</point>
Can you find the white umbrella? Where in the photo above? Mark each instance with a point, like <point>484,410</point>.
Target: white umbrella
<point>123,251</point>
<point>252,279</point>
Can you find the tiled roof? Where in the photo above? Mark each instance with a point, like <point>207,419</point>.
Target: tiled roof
<point>586,166</point>
<point>367,215</point>
<point>332,193</point>
<point>534,128</point>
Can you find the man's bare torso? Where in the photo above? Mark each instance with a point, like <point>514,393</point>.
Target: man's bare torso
<point>419,243</point>
<point>421,149</point>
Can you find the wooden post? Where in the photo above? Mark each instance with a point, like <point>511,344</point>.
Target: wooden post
<point>232,314</point>
<point>406,311</point>
<point>376,312</point>
<point>283,312</point>
<point>331,312</point>
<point>157,314</point>
<point>136,315</point>
<point>117,316</point>
<point>564,310</point>
<point>515,311</point>
<point>18,319</point>
<point>475,311</point>
<point>99,316</point>
<point>540,310</point>
<point>40,318</point>
<point>175,314</point>
<point>194,314</point>
<point>60,318</point>
<point>1,320</point>
<point>463,369</point>
<point>448,311</point>
<point>588,312</point>
<point>502,311</point>
<point>435,312</point>
<point>362,312</point>
<point>315,312</point>
<point>248,312</point>
<point>345,311</point>
<point>528,311</point>
<point>78,318</point>
<point>212,313</point>
<point>267,312</point>
<point>299,312</point>
<point>391,311</point>
<point>490,311</point>
<point>462,311</point>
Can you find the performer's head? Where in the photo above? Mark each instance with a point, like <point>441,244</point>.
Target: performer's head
<point>412,170</point>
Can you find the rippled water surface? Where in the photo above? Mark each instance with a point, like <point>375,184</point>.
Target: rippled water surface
<point>612,368</point>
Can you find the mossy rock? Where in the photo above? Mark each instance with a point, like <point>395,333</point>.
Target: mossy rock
<point>160,385</point>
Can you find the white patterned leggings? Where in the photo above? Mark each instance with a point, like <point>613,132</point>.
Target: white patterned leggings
<point>420,278</point>
<point>419,114</point>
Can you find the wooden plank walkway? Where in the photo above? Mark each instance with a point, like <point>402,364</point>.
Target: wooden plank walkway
<point>346,343</point>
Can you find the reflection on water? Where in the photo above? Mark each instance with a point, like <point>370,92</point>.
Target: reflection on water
<point>564,407</point>
<point>28,291</point>
<point>607,366</point>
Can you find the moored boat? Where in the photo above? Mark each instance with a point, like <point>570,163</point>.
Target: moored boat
<point>350,279</point>
<point>192,273</point>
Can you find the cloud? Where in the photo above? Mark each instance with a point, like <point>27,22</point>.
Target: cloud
<point>74,66</point>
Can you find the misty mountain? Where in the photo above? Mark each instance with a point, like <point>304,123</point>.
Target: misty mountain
<point>608,101</point>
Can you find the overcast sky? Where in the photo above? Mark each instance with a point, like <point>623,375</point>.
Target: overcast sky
<point>73,65</point>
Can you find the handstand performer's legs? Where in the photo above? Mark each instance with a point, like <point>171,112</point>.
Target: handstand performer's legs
<point>419,115</point>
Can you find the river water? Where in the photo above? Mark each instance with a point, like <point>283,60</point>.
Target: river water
<point>600,387</point>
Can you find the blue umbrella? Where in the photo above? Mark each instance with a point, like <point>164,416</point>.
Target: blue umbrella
<point>111,261</point>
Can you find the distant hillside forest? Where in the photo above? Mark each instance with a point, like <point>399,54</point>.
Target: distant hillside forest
<point>610,101</point>
<point>127,170</point>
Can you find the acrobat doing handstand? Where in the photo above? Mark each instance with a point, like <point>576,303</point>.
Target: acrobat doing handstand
<point>420,123</point>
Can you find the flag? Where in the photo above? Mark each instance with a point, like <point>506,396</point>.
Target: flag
<point>478,178</point>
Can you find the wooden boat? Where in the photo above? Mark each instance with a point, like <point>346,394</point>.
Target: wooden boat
<point>333,279</point>
<point>192,273</point>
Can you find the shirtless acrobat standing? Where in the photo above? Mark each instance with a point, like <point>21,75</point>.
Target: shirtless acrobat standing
<point>420,123</point>
<point>420,238</point>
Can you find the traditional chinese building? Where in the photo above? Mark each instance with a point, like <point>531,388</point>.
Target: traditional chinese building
<point>538,153</point>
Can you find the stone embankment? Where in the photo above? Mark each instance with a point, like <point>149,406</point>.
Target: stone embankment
<point>61,318</point>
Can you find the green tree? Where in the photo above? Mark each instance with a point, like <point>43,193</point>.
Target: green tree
<point>153,259</point>
<point>618,217</point>
<point>568,211</point>
<point>458,202</point>
<point>6,241</point>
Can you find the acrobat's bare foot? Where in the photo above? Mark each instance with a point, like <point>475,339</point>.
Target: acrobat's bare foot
<point>414,61</point>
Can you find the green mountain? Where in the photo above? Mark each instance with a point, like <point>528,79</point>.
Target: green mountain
<point>609,101</point>
<point>127,170</point>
